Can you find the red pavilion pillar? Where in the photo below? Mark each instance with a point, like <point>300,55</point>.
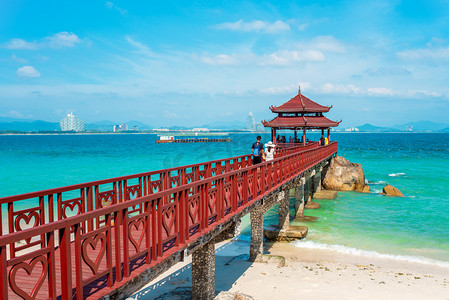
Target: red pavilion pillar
<point>304,136</point>
<point>329,135</point>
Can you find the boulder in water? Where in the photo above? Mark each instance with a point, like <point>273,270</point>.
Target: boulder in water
<point>312,205</point>
<point>342,175</point>
<point>392,191</point>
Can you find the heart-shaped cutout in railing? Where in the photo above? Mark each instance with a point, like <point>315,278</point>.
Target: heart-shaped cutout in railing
<point>133,192</point>
<point>168,220</point>
<point>227,196</point>
<point>27,220</point>
<point>29,267</point>
<point>211,201</point>
<point>136,224</point>
<point>193,210</point>
<point>72,206</point>
<point>93,243</point>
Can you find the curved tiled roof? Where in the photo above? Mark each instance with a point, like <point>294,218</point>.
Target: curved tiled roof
<point>304,121</point>
<point>300,103</point>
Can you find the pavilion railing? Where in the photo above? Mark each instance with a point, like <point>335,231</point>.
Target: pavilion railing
<point>108,242</point>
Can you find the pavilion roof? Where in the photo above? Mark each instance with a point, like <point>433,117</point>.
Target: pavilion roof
<point>303,121</point>
<point>300,103</point>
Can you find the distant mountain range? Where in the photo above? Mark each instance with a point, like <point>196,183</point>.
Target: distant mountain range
<point>419,126</point>
<point>25,125</point>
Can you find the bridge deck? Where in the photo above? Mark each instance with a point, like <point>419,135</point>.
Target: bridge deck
<point>120,227</point>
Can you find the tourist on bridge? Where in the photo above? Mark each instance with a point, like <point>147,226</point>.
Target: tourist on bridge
<point>270,147</point>
<point>257,150</point>
<point>322,141</point>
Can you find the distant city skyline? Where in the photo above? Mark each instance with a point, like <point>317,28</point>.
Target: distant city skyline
<point>188,64</point>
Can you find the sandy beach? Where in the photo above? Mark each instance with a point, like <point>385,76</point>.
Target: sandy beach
<point>307,274</point>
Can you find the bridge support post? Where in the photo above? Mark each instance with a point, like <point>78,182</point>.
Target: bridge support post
<point>299,199</point>
<point>284,207</point>
<point>317,180</point>
<point>256,246</point>
<point>307,190</point>
<point>203,272</point>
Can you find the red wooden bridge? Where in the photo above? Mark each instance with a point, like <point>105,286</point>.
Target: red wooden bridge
<point>89,240</point>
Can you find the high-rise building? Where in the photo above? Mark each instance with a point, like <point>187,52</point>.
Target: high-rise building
<point>250,122</point>
<point>71,123</point>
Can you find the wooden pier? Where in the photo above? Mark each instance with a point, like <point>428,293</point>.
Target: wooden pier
<point>106,237</point>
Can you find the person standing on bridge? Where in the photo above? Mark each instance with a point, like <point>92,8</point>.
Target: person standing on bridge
<point>257,150</point>
<point>322,141</point>
<point>270,147</point>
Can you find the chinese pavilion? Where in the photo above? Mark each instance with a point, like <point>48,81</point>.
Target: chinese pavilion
<point>300,113</point>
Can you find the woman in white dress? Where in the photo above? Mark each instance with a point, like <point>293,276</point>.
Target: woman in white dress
<point>270,150</point>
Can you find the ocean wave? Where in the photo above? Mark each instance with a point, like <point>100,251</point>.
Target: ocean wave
<point>366,253</point>
<point>396,174</point>
<point>375,182</point>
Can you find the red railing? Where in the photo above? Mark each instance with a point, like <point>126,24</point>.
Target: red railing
<point>99,247</point>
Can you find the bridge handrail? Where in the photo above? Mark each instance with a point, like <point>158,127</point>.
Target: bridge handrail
<point>67,188</point>
<point>26,233</point>
<point>167,219</point>
<point>65,202</point>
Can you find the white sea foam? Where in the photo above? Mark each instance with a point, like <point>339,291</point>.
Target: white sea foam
<point>366,253</point>
<point>375,182</point>
<point>396,174</point>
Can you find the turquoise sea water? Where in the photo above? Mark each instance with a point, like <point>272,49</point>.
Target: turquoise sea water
<point>414,228</point>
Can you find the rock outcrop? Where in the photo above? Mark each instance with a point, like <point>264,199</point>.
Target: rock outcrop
<point>342,175</point>
<point>392,191</point>
<point>312,205</point>
<point>325,194</point>
<point>291,233</point>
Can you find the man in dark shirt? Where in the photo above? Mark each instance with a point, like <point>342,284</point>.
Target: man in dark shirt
<point>322,141</point>
<point>257,150</point>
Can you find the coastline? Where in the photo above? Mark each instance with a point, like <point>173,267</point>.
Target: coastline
<point>321,274</point>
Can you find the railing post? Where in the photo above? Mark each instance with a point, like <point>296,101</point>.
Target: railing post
<point>66,263</point>
<point>78,264</point>
<point>147,218</point>
<point>89,207</point>
<point>3,274</point>
<point>118,249</point>
<point>125,233</point>
<point>182,216</point>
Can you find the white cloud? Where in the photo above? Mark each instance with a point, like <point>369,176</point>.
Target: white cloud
<point>114,6</point>
<point>287,89</point>
<point>349,89</point>
<point>257,25</point>
<point>18,59</point>
<point>286,57</point>
<point>21,44</point>
<point>329,88</point>
<point>381,91</point>
<point>438,54</point>
<point>141,47</point>
<point>303,27</point>
<point>327,43</point>
<point>220,60</point>
<point>418,93</point>
<point>63,39</point>
<point>28,72</point>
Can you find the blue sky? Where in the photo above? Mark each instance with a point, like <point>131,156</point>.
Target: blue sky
<point>201,62</point>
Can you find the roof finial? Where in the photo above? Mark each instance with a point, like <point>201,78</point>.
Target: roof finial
<point>299,89</point>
